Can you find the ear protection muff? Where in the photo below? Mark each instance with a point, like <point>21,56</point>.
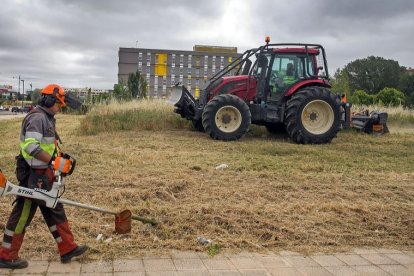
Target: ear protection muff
<point>49,100</point>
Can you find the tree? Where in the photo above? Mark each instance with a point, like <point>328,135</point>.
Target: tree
<point>391,97</point>
<point>137,85</point>
<point>362,97</point>
<point>35,96</point>
<point>373,74</point>
<point>406,86</point>
<point>121,91</point>
<point>340,83</point>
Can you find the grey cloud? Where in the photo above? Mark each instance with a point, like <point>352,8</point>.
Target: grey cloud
<point>77,42</point>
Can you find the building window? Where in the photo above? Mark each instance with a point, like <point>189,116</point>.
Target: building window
<point>189,71</point>
<point>181,58</point>
<point>148,57</point>
<point>148,69</point>
<point>140,57</point>
<point>173,60</point>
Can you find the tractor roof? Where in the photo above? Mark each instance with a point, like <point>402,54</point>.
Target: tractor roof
<point>296,50</point>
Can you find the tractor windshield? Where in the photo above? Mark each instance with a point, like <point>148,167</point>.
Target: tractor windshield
<point>287,69</point>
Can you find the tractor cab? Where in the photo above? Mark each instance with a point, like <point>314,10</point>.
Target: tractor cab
<point>281,70</point>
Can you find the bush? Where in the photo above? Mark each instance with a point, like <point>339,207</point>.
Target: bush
<point>390,97</point>
<point>132,115</point>
<point>362,98</point>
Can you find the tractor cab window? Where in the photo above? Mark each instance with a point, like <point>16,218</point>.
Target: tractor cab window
<point>286,70</point>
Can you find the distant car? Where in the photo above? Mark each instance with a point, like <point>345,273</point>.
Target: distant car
<point>15,109</point>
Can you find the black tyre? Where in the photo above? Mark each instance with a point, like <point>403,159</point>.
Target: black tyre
<point>313,116</point>
<point>198,125</point>
<point>275,128</point>
<point>226,117</point>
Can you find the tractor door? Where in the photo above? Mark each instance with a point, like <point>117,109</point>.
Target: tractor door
<point>260,73</point>
<point>286,70</point>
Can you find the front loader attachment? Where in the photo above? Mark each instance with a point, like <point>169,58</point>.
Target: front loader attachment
<point>185,104</point>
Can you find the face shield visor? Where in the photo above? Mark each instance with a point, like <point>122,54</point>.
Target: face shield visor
<point>72,101</point>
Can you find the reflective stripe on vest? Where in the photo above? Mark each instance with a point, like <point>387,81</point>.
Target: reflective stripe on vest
<point>32,141</point>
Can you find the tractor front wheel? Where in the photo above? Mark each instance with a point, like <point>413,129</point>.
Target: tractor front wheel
<point>313,116</point>
<point>226,117</point>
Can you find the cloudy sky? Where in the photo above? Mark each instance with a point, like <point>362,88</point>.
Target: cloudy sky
<point>76,43</point>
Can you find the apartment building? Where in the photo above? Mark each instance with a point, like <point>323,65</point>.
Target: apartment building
<point>164,68</point>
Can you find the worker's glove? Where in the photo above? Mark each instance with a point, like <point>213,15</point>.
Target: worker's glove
<point>62,164</point>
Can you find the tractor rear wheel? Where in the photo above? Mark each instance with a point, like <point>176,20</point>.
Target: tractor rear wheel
<point>313,116</point>
<point>226,117</point>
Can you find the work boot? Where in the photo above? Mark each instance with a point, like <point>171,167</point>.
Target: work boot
<point>75,252</point>
<point>14,264</point>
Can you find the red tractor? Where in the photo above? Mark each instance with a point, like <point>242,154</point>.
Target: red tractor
<point>280,86</point>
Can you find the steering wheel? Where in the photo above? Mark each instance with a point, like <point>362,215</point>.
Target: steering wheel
<point>275,78</point>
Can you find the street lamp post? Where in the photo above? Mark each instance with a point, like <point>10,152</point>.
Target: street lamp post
<point>23,94</point>
<point>18,85</point>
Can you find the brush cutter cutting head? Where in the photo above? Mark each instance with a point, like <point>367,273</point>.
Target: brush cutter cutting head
<point>123,222</point>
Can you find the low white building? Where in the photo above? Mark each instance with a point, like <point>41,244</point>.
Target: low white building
<point>83,92</point>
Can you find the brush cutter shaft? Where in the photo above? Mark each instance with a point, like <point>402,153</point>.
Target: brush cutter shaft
<point>84,206</point>
<point>51,198</point>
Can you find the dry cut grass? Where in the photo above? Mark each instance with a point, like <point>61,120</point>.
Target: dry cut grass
<point>274,195</point>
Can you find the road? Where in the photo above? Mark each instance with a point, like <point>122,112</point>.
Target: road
<point>4,115</point>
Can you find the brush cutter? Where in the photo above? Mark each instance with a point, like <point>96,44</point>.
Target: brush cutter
<point>52,197</point>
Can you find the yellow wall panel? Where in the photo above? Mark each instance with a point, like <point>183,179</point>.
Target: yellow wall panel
<point>161,65</point>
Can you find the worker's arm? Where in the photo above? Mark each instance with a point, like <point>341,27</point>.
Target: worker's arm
<point>43,156</point>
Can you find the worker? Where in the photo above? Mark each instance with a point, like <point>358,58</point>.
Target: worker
<point>39,157</point>
<point>289,78</point>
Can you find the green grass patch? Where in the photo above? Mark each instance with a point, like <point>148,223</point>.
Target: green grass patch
<point>134,115</point>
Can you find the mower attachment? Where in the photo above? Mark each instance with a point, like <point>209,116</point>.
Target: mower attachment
<point>185,104</point>
<point>371,123</point>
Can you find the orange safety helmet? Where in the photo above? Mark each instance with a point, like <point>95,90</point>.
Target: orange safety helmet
<point>57,92</point>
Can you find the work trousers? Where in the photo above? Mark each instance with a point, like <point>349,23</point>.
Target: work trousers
<point>21,217</point>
